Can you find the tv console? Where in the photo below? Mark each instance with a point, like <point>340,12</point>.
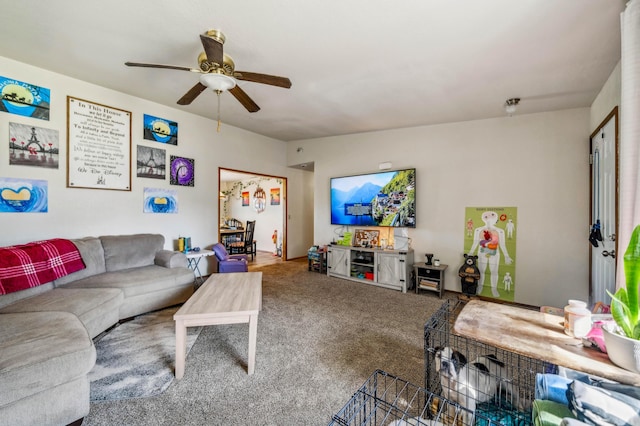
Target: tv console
<point>385,268</point>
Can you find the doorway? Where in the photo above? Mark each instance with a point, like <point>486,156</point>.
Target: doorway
<point>246,195</point>
<point>604,209</point>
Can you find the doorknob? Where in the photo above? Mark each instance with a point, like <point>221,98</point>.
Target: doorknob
<point>612,253</point>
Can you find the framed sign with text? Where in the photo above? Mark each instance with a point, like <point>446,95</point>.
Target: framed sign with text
<point>98,146</point>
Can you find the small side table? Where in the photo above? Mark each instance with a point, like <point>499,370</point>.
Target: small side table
<point>317,261</point>
<point>430,277</point>
<point>194,257</point>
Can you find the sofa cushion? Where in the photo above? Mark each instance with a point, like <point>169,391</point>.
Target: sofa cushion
<point>92,253</point>
<point>171,259</point>
<point>97,308</point>
<point>137,281</point>
<point>130,251</point>
<point>8,299</point>
<point>41,350</point>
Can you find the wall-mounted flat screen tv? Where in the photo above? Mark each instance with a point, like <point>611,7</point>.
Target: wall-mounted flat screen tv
<point>376,199</point>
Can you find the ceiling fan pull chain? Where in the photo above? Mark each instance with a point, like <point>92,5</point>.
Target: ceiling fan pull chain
<point>218,93</point>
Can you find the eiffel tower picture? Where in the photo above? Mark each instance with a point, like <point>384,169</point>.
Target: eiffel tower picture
<point>151,162</point>
<point>33,146</point>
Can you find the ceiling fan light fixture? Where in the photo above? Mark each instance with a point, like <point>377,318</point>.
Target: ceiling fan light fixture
<point>511,105</point>
<point>218,82</point>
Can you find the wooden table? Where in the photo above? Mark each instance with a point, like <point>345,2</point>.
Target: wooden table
<point>223,299</point>
<point>230,235</point>
<point>536,335</point>
<point>429,277</point>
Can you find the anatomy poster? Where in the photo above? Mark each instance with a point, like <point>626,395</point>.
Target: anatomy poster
<point>490,233</point>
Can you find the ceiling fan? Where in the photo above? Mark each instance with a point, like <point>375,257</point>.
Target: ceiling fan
<point>217,72</point>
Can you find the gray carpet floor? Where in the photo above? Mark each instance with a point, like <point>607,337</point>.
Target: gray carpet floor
<point>319,339</point>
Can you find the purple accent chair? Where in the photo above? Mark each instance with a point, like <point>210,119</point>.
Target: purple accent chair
<point>228,263</point>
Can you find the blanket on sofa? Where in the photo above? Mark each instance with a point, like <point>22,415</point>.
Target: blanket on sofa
<point>33,264</point>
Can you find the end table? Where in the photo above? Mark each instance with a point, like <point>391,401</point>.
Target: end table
<point>194,257</point>
<point>430,277</point>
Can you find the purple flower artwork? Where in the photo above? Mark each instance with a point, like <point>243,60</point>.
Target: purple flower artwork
<point>182,171</point>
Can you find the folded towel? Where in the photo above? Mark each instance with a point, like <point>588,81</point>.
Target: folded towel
<point>629,390</point>
<point>601,406</point>
<point>570,421</point>
<point>549,413</point>
<point>551,387</point>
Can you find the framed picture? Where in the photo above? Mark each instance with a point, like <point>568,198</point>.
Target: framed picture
<point>366,238</point>
<point>151,162</point>
<point>24,99</point>
<point>275,196</point>
<point>245,198</point>
<point>160,130</point>
<point>98,146</point>
<point>24,196</point>
<point>182,171</point>
<point>160,201</point>
<point>33,146</point>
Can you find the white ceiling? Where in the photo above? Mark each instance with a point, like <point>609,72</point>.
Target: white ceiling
<point>356,65</point>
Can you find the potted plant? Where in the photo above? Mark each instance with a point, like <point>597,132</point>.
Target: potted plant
<point>623,342</point>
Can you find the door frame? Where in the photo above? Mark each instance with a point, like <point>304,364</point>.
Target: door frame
<point>284,198</point>
<point>613,114</point>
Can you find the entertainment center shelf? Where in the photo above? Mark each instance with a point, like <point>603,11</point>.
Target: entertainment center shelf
<point>385,268</point>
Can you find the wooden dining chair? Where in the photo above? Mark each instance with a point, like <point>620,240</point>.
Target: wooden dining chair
<point>248,244</point>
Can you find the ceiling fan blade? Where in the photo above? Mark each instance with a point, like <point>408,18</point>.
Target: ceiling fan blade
<point>192,94</point>
<point>244,99</point>
<point>272,80</point>
<point>170,67</point>
<point>213,49</point>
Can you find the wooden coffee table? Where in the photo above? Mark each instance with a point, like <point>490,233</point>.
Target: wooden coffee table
<point>223,299</point>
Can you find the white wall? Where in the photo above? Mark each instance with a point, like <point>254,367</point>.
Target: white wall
<point>607,99</point>
<point>308,208</point>
<point>75,212</point>
<point>537,163</point>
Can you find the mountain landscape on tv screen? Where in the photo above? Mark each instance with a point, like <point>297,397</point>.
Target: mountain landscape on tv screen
<point>390,205</point>
<point>363,194</point>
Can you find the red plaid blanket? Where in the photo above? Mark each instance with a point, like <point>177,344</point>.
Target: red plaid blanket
<point>33,264</point>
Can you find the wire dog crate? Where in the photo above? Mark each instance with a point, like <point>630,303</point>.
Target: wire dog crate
<point>390,401</point>
<point>500,382</point>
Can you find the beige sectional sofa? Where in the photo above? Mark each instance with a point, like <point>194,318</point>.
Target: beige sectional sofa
<point>46,332</point>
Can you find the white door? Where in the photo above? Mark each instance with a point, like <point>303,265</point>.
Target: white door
<point>603,199</point>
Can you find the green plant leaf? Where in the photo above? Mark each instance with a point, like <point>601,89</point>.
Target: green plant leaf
<point>636,331</point>
<point>620,311</point>
<point>632,274</point>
